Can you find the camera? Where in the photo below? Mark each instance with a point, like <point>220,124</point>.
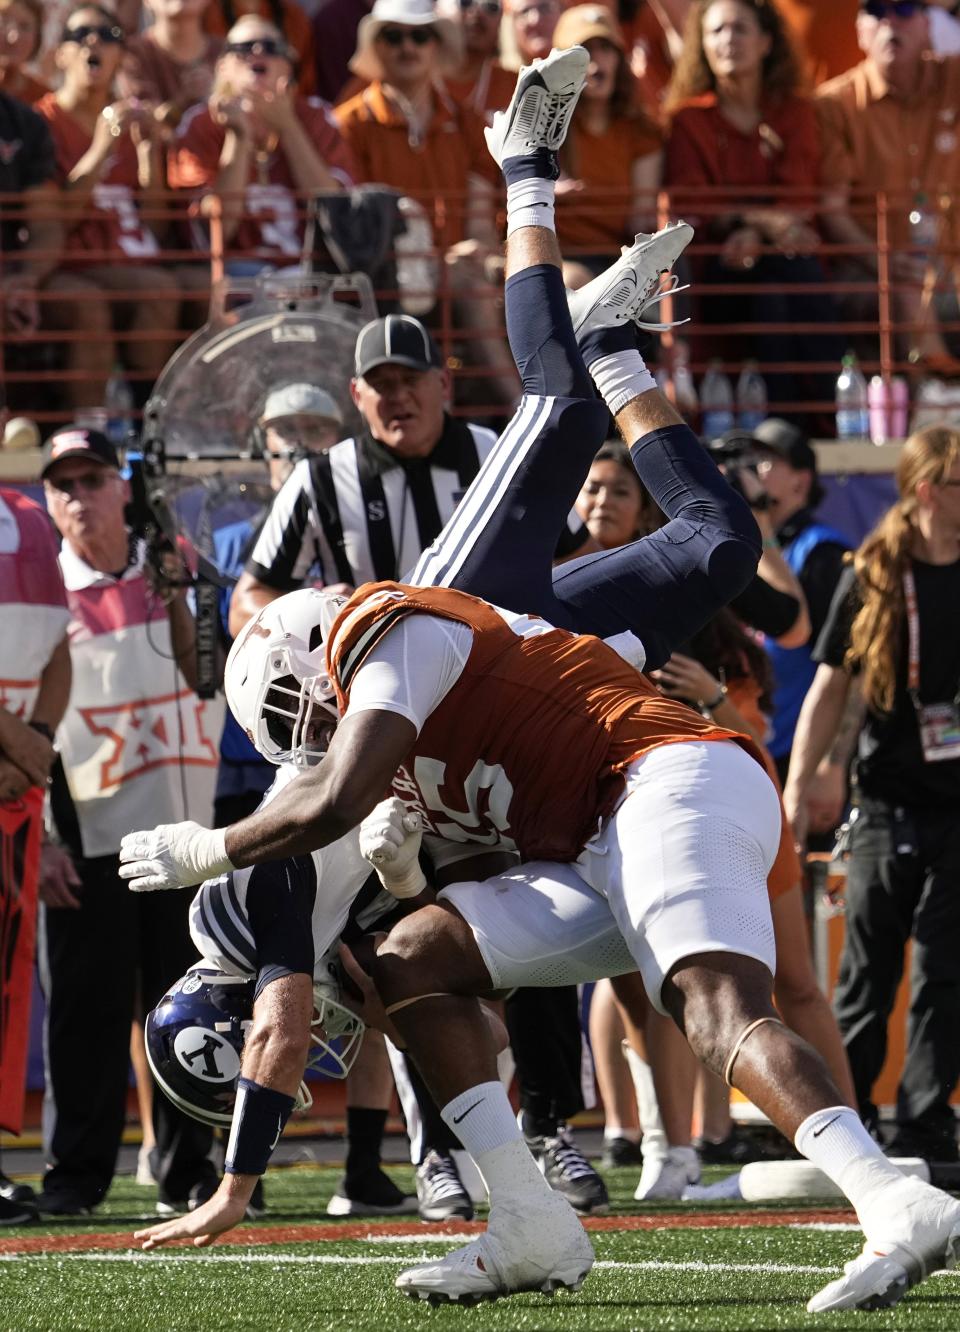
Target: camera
<point>735,452</point>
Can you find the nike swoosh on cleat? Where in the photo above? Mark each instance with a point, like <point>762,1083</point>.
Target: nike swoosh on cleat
<point>458,1118</point>
<point>817,1132</point>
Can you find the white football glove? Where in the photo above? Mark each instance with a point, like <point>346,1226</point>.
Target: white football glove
<point>174,855</point>
<point>390,838</point>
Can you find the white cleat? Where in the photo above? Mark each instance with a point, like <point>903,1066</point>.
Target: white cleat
<point>539,1248</point>
<point>666,1177</point>
<point>632,283</point>
<point>923,1236</point>
<point>541,106</point>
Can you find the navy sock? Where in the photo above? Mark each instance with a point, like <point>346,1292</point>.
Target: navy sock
<point>541,164</point>
<point>617,338</point>
<point>541,335</point>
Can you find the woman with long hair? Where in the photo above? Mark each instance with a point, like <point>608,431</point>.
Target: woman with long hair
<point>894,629</point>
<point>743,147</point>
<point>611,160</point>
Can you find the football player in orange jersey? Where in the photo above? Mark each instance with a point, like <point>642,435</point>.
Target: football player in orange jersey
<point>508,733</point>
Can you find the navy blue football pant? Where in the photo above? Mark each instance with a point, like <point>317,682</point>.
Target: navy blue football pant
<point>499,544</point>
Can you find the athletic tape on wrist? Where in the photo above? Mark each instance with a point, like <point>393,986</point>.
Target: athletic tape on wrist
<point>259,1117</point>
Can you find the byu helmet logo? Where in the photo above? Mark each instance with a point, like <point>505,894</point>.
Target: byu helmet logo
<point>206,1055</point>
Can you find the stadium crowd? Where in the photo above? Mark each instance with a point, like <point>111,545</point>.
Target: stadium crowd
<point>146,147</point>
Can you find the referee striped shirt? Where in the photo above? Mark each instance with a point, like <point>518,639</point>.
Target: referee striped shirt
<point>358,513</point>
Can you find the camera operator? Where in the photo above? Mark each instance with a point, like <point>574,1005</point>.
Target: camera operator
<point>787,469</point>
<point>134,743</point>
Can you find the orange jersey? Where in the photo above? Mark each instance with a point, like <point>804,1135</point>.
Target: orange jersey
<point>111,224</point>
<point>527,750</point>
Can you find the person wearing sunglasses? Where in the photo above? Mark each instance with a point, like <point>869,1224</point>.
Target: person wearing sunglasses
<point>259,146</point>
<point>287,16</point>
<point>479,81</point>
<point>409,134</point>
<point>111,166</point>
<point>133,738</point>
<point>891,124</point>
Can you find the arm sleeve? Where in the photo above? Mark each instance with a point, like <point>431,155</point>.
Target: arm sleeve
<point>836,158</point>
<point>831,646</point>
<point>280,911</point>
<point>195,155</point>
<point>766,608</point>
<point>330,143</point>
<point>412,668</point>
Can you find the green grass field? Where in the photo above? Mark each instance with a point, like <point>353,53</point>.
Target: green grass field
<point>698,1267</point>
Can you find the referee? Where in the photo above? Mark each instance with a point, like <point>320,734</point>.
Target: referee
<point>365,511</point>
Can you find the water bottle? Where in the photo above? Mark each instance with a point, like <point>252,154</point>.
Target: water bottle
<point>888,402</point>
<point>716,396</point>
<point>118,407</point>
<point>684,389</point>
<point>851,398</point>
<point>751,397</point>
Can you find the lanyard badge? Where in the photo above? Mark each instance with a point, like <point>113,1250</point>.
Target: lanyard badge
<point>939,723</point>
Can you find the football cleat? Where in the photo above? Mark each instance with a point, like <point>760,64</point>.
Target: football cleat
<point>923,1229</point>
<point>541,106</point>
<point>632,283</point>
<point>540,1246</point>
<point>566,1169</point>
<point>440,1192</point>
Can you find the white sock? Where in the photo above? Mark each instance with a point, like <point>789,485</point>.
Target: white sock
<point>613,1131</point>
<point>836,1142</point>
<point>483,1120</point>
<point>530,204</point>
<point>645,1092</point>
<point>621,377</point>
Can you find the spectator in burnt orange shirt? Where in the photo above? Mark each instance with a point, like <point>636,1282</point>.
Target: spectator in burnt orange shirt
<point>892,123</point>
<point>256,145</point>
<point>20,23</point>
<point>110,163</point>
<point>611,160</point>
<point>479,81</point>
<point>286,15</point>
<point>737,119</point>
<point>408,133</point>
<point>171,63</point>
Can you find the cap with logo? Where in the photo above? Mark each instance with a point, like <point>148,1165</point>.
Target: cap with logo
<point>300,400</point>
<point>78,442</point>
<point>395,340</point>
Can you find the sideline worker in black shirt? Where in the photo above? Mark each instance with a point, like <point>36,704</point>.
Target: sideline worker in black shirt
<point>894,626</point>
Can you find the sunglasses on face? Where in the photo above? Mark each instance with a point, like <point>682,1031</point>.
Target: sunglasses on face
<point>69,485</point>
<point>397,36</point>
<point>267,47</point>
<point>899,9</point>
<point>490,7</point>
<point>110,36</point>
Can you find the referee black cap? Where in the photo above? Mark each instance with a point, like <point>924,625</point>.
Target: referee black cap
<point>396,340</point>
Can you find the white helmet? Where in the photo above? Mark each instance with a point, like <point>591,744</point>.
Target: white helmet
<point>276,678</point>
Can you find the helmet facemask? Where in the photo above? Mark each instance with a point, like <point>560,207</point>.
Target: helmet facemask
<point>336,1035</point>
